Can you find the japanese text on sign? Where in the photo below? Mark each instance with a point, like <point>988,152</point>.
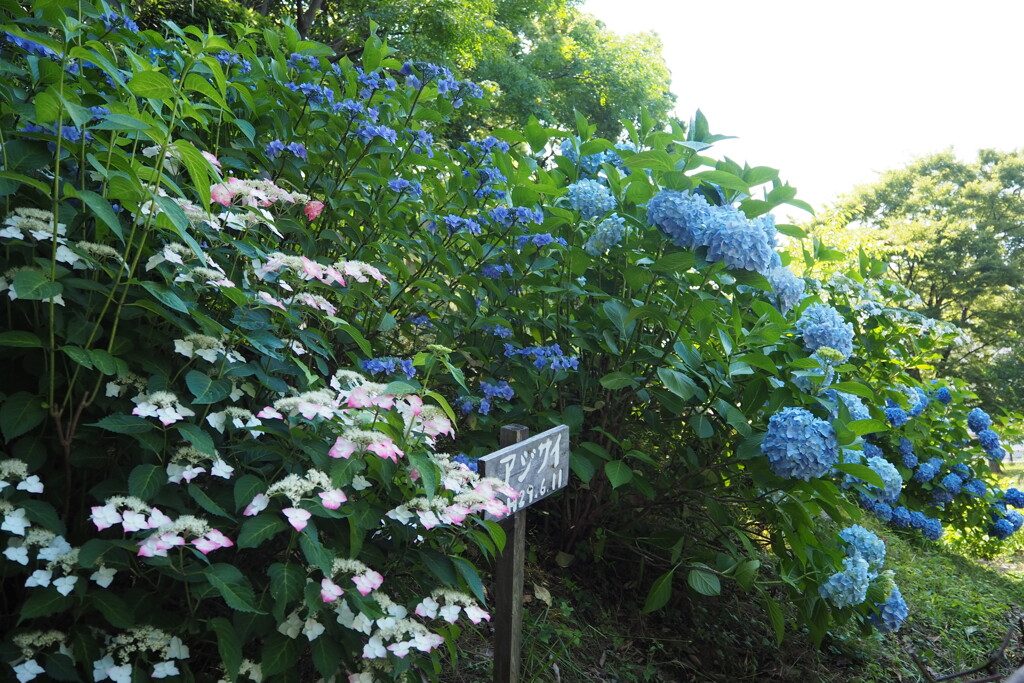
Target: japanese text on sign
<point>535,467</point>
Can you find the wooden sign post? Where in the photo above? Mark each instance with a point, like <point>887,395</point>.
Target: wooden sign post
<point>535,467</point>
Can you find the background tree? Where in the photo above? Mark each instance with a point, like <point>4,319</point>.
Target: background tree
<point>953,232</point>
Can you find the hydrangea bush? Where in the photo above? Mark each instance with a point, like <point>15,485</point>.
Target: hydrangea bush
<point>252,298</point>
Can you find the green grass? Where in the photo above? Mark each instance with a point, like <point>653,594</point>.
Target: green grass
<point>591,629</point>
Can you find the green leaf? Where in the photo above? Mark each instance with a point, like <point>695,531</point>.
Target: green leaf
<point>678,383</point>
<point>196,164</point>
<point>661,591</point>
<point>229,646</point>
<point>723,179</point>
<point>862,427</point>
<point>857,389</point>
<point>121,122</point>
<point>20,339</point>
<point>232,586</point>
<point>151,84</point>
<point>704,582</point>
<point>124,424</point>
<point>471,577</point>
<point>207,503</point>
<point>315,553</point>
<point>428,471</point>
<point>326,657</point>
<point>114,609</point>
<point>776,617</point>
<point>165,295</point>
<point>42,602</point>
<point>862,472</point>
<point>32,285</point>
<point>202,441</point>
<point>286,581</point>
<point>616,380</point>
<point>246,487</point>
<point>60,667</point>
<point>618,473</point>
<point>279,654</point>
<point>258,529</point>
<point>79,355</point>
<point>206,389</point>
<point>102,210</point>
<point>145,481</point>
<point>20,413</point>
<point>103,361</point>
<point>746,572</point>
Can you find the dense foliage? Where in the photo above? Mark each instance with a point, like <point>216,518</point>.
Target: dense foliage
<point>248,297</point>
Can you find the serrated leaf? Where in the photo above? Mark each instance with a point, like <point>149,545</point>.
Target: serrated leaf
<point>113,608</point>
<point>123,424</point>
<point>246,488</point>
<point>20,413</point>
<point>704,582</point>
<point>145,481</point>
<point>618,472</point>
<point>326,657</point>
<point>775,616</point>
<point>469,574</point>
<point>103,361</point>
<point>661,591</point>
<point>32,285</point>
<point>229,646</point>
<point>428,471</point>
<point>60,667</point>
<point>286,581</point>
<point>862,427</point>
<point>258,529</point>
<point>151,84</point>
<point>315,553</point>
<point>745,573</point>
<point>101,208</point>
<point>42,602</point>
<point>202,441</point>
<point>279,654</point>
<point>165,295</point>
<point>616,380</point>
<point>678,383</point>
<point>207,503</point>
<point>232,586</point>
<point>205,389</point>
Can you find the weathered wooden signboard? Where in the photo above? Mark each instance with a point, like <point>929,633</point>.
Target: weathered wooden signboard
<point>535,467</point>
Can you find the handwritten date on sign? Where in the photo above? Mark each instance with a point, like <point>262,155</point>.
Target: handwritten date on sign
<point>535,467</point>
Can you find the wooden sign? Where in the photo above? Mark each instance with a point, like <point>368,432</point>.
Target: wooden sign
<point>535,467</point>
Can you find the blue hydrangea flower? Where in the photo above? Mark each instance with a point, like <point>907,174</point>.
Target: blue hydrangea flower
<point>854,405</point>
<point>274,149</point>
<point>1014,497</point>
<point>976,488</point>
<point>389,366</point>
<point>907,453</point>
<point>799,445</point>
<point>539,240</point>
<point>1016,519</point>
<point>680,215</point>
<point>901,517</point>
<point>941,496</point>
<point>881,510</point>
<point>919,401</point>
<point>917,519</point>
<point>848,587</point>
<point>788,289</point>
<point>872,451</point>
<point>545,357</point>
<point>1001,529</point>
<point>866,544</point>
<point>606,235</point>
<point>471,463</point>
<point>737,242</point>
<point>961,470</point>
<point>892,613</point>
<point>822,325</point>
<point>943,396</point>
<point>298,149</point>
<point>456,224</point>
<point>978,420</point>
<point>989,440</point>
<point>499,390</point>
<point>590,198</point>
<point>952,483</point>
<point>926,472</point>
<point>499,331</point>
<point>932,529</point>
<point>496,270</point>
<point>896,416</point>
<point>890,477</point>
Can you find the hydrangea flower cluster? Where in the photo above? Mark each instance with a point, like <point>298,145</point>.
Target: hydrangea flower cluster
<point>891,613</point>
<point>848,587</point>
<point>738,242</point>
<point>854,406</point>
<point>680,215</point>
<point>799,445</point>
<point>787,288</point>
<point>821,325</point>
<point>978,420</point>
<point>606,235</point>
<point>388,365</point>
<point>943,396</point>
<point>906,448</point>
<point>866,544</point>
<point>545,357</point>
<point>891,478</point>
<point>896,416</point>
<point>989,441</point>
<point>590,198</point>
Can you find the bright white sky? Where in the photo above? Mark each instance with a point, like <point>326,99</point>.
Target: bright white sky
<point>832,93</point>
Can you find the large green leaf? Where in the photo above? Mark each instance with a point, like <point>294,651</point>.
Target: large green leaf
<point>258,529</point>
<point>232,586</point>
<point>618,472</point>
<point>20,413</point>
<point>124,424</point>
<point>32,285</point>
<point>145,481</point>
<point>151,85</point>
<point>229,646</point>
<point>206,389</point>
<point>704,582</point>
<point>661,591</point>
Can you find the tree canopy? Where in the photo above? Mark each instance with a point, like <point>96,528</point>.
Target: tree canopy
<point>953,232</point>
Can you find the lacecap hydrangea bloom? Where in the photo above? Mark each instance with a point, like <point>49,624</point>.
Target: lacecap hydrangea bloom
<point>821,325</point>
<point>606,235</point>
<point>799,445</point>
<point>850,586</point>
<point>590,198</point>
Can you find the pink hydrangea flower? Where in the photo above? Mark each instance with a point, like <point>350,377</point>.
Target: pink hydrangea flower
<point>342,448</point>
<point>313,210</point>
<point>297,517</point>
<point>368,581</point>
<point>104,516</point>
<point>270,412</point>
<point>387,449</point>
<point>259,504</point>
<point>476,615</point>
<point>330,591</point>
<point>333,499</point>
